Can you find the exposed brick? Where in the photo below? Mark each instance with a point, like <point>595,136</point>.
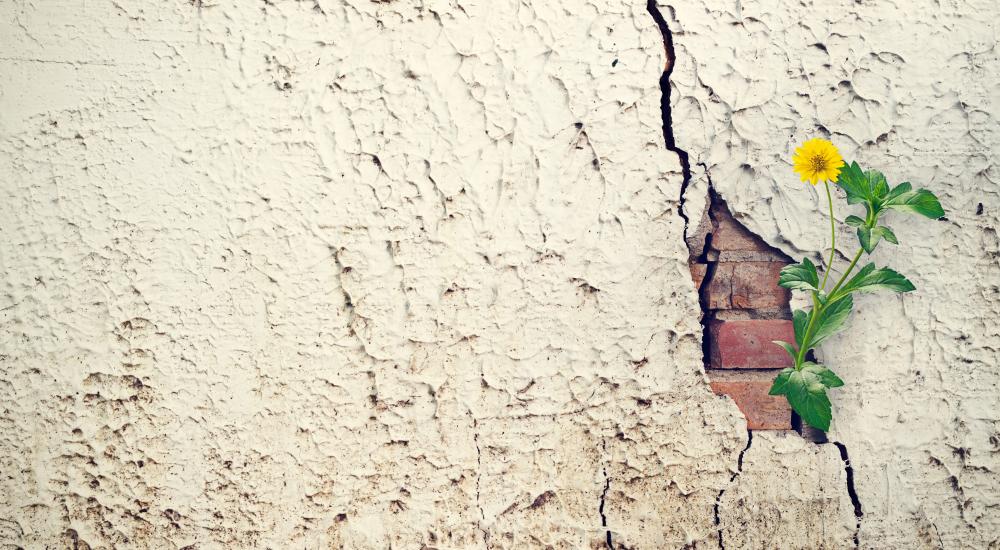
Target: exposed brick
<point>749,391</point>
<point>748,256</point>
<point>730,234</point>
<point>747,310</point>
<point>735,243</point>
<point>698,272</point>
<point>749,314</point>
<point>748,344</point>
<point>719,288</point>
<point>746,285</point>
<point>755,286</point>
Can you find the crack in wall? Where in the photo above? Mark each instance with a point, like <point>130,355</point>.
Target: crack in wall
<point>711,266</point>
<point>851,491</point>
<point>718,499</point>
<point>479,479</point>
<point>684,159</point>
<point>667,113</point>
<point>604,498</point>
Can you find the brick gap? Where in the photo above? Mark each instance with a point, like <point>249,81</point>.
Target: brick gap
<point>743,310</point>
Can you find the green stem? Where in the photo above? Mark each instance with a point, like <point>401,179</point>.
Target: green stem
<point>833,238</point>
<point>850,268</point>
<point>818,309</point>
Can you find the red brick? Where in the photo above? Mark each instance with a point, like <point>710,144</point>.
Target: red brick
<point>748,256</point>
<point>719,289</point>
<point>732,241</point>
<point>748,344</point>
<point>762,411</point>
<point>730,234</point>
<point>746,285</point>
<point>755,286</point>
<point>698,273</point>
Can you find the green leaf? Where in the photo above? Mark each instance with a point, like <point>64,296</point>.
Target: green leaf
<point>870,279</point>
<point>885,233</point>
<point>799,320</point>
<point>900,189</point>
<point>854,182</point>
<point>799,276</point>
<point>806,393</point>
<point>854,221</point>
<point>865,271</point>
<point>781,382</point>
<point>787,347</point>
<point>862,186</point>
<point>877,185</point>
<point>831,319</point>
<point>921,202</point>
<point>825,375</point>
<point>868,239</point>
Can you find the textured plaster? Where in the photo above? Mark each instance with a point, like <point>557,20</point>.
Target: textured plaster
<point>413,274</point>
<point>775,502</point>
<point>909,87</point>
<point>347,274</point>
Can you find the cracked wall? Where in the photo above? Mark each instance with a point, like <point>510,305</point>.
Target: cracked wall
<point>359,274</point>
<point>909,87</point>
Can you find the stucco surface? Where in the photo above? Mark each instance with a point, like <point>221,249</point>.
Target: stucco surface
<point>911,88</point>
<point>789,494</point>
<point>413,274</point>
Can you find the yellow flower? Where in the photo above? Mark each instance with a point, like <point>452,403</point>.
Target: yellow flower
<point>817,160</point>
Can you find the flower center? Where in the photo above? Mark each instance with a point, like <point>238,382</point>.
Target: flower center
<point>818,163</point>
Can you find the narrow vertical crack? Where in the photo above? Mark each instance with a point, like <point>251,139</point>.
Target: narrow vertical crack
<point>604,498</point>
<point>718,499</point>
<point>604,518</point>
<point>479,479</point>
<point>342,275</point>
<point>342,271</point>
<point>665,110</point>
<point>852,492</point>
<point>707,314</point>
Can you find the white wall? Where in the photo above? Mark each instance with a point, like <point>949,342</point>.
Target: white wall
<point>358,274</point>
<point>912,88</point>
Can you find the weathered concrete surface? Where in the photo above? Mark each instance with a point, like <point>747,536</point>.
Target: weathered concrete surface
<point>909,87</point>
<point>359,274</point>
<point>347,274</point>
<point>775,502</point>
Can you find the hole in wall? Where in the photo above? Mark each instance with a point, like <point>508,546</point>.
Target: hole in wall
<point>743,311</point>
